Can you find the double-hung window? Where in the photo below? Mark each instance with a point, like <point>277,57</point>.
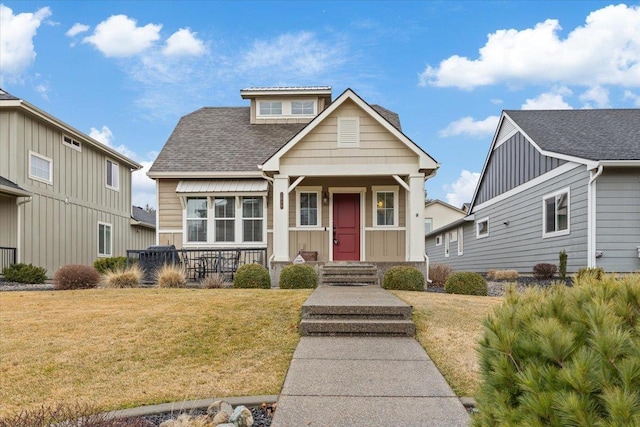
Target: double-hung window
<point>225,217</point>
<point>386,206</point>
<point>113,175</point>
<point>308,207</point>
<point>252,219</point>
<point>40,168</point>
<point>197,214</point>
<point>555,216</point>
<point>104,239</point>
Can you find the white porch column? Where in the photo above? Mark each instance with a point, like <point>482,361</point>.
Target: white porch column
<point>415,222</point>
<point>281,218</point>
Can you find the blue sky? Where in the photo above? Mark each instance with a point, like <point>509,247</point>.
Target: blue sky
<point>124,72</point>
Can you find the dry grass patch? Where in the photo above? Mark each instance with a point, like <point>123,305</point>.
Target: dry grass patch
<point>116,348</point>
<point>449,328</point>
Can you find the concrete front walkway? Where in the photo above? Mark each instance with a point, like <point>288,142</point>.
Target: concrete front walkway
<point>364,381</point>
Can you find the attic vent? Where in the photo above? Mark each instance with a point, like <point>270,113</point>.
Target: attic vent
<point>348,131</point>
<point>66,140</point>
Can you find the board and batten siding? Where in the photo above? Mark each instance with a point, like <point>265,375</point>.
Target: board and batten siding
<point>513,163</point>
<point>520,245</point>
<point>618,220</point>
<point>8,221</point>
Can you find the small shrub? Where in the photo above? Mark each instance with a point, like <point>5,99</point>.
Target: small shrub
<point>563,264</point>
<point>439,273</point>
<point>76,276</point>
<point>544,271</point>
<point>171,276</point>
<point>298,276</point>
<point>252,276</point>
<point>466,283</point>
<point>24,273</point>
<point>110,264</point>
<point>123,278</point>
<point>215,281</point>
<point>593,273</point>
<point>562,356</point>
<point>502,275</point>
<point>403,278</point>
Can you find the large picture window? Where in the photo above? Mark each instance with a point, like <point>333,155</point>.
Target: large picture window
<point>113,175</point>
<point>197,214</point>
<point>555,216</point>
<point>104,239</point>
<point>225,213</point>
<point>40,168</point>
<point>252,212</point>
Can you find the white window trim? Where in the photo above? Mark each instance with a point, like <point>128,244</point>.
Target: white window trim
<point>477,224</point>
<point>460,241</point>
<point>37,178</point>
<point>70,144</point>
<point>318,191</point>
<point>105,255</point>
<point>544,216</point>
<point>240,218</point>
<point>266,116</point>
<point>396,201</point>
<point>356,143</point>
<point>115,166</point>
<point>425,225</point>
<point>453,233</point>
<point>447,245</point>
<point>185,221</point>
<point>312,101</point>
<point>439,240</point>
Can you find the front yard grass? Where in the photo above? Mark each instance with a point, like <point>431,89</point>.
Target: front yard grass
<point>117,348</point>
<point>449,327</point>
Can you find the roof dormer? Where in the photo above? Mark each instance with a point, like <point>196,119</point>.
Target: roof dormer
<point>282,105</point>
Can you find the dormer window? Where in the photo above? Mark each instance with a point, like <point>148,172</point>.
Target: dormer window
<point>270,108</point>
<point>302,108</point>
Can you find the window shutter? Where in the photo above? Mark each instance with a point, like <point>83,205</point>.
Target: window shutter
<point>348,131</point>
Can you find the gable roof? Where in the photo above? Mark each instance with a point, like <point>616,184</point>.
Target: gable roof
<point>425,160</point>
<point>445,204</point>
<point>607,134</point>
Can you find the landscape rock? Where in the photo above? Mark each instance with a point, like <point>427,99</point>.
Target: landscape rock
<point>221,417</point>
<point>242,417</point>
<point>220,406</point>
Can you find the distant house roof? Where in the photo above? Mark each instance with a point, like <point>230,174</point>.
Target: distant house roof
<point>142,217</point>
<point>606,134</point>
<point>440,202</point>
<point>6,96</point>
<point>10,187</point>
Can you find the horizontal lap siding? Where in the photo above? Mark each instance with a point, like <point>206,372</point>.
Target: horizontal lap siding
<point>618,220</point>
<point>170,208</point>
<point>520,245</point>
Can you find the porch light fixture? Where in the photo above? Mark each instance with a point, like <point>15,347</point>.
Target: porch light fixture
<point>325,198</point>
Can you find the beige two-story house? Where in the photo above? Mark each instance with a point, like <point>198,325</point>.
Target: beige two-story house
<point>65,198</point>
<point>293,171</point>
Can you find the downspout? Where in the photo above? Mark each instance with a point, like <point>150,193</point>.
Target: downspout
<point>19,240</point>
<point>270,181</point>
<point>426,256</point>
<point>591,217</point>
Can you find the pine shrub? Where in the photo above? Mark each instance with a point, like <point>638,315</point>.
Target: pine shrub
<point>593,273</point>
<point>439,273</point>
<point>403,278</point>
<point>122,278</point>
<point>110,264</point>
<point>171,276</point>
<point>252,276</point>
<point>76,276</point>
<point>544,271</point>
<point>466,283</point>
<point>563,356</point>
<point>563,264</point>
<point>298,276</point>
<point>24,273</point>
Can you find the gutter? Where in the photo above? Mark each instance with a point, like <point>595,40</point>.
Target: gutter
<point>591,216</point>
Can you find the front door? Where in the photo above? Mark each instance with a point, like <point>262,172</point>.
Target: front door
<point>346,227</point>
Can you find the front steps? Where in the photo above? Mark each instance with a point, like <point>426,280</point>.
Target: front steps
<point>349,274</point>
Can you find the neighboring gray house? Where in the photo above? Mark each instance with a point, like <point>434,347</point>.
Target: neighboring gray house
<point>553,180</point>
<point>65,198</point>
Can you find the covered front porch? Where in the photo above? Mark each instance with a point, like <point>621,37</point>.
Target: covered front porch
<point>12,197</point>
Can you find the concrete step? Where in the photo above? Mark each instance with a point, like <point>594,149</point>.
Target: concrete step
<point>356,311</point>
<point>349,274</point>
<point>349,279</point>
<point>357,327</point>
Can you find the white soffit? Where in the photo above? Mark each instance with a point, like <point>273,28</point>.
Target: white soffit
<point>223,186</point>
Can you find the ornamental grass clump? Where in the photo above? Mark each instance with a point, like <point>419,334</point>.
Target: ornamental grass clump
<point>466,283</point>
<point>76,276</point>
<point>252,276</point>
<point>439,273</point>
<point>502,275</point>
<point>122,277</point>
<point>24,273</point>
<point>563,356</point>
<point>171,276</point>
<point>298,276</point>
<point>403,278</point>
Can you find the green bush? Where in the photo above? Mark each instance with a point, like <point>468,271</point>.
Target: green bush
<point>76,276</point>
<point>563,356</point>
<point>110,264</point>
<point>466,283</point>
<point>24,273</point>
<point>544,271</point>
<point>298,276</point>
<point>252,276</point>
<point>403,278</point>
<point>593,273</point>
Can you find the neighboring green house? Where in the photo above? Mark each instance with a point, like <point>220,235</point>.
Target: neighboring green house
<point>65,198</point>
<point>553,180</point>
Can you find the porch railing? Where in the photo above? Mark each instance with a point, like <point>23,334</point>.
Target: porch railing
<point>198,263</point>
<point>7,257</point>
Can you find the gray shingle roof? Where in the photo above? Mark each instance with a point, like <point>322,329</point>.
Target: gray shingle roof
<point>143,216</point>
<point>6,95</point>
<point>607,134</point>
<point>12,187</point>
<point>388,115</point>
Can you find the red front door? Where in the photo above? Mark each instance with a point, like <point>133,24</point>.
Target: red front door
<point>346,227</point>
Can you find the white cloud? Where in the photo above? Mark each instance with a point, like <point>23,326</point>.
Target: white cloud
<point>103,135</point>
<point>17,52</point>
<point>461,190</point>
<point>183,43</point>
<point>120,36</point>
<point>596,96</point>
<point>77,29</point>
<point>605,51</point>
<point>552,100</point>
<point>632,96</point>
<point>468,127</point>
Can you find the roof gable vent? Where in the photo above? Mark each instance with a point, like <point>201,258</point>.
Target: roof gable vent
<point>348,131</point>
